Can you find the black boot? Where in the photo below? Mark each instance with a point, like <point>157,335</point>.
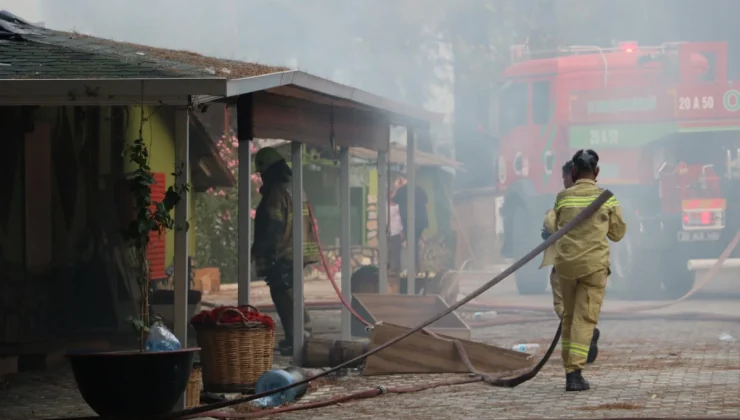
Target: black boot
<point>285,346</point>
<point>284,307</point>
<point>593,351</point>
<point>574,382</point>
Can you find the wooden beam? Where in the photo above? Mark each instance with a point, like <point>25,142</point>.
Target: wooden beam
<point>282,117</point>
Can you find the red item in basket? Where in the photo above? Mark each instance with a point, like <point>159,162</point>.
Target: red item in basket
<point>229,315</point>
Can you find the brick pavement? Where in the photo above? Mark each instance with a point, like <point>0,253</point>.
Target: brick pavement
<point>646,369</point>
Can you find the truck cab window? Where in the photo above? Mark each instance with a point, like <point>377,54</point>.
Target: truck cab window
<point>711,73</point>
<point>513,106</point>
<point>540,102</point>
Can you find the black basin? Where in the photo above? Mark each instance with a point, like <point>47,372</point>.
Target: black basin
<point>132,384</point>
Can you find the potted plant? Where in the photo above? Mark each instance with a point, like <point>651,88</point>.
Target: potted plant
<point>138,383</point>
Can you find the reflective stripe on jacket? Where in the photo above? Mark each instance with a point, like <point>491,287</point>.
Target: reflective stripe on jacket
<point>585,249</point>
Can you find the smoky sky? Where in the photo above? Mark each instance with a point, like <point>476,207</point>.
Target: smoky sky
<point>407,50</point>
<point>381,46</point>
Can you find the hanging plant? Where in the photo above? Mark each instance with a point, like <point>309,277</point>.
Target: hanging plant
<point>149,216</point>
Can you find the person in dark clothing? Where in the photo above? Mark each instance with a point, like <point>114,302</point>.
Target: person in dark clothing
<point>421,219</point>
<point>272,250</point>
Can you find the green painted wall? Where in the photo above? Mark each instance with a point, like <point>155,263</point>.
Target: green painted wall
<point>158,132</point>
<point>372,188</point>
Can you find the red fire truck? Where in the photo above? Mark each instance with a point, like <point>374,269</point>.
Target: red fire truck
<point>666,125</point>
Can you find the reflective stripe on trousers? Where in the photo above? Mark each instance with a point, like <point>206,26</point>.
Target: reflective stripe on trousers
<point>582,300</point>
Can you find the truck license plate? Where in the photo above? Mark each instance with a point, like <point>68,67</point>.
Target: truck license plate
<point>684,236</point>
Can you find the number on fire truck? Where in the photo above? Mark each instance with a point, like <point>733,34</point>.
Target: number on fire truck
<point>688,103</point>
<point>604,137</point>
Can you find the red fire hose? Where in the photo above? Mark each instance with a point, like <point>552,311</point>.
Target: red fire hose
<point>329,272</point>
<point>361,395</point>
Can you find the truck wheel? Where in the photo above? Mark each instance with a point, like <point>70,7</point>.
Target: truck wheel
<point>623,269</point>
<point>530,280</point>
<point>634,274</point>
<point>677,279</point>
<point>678,286</point>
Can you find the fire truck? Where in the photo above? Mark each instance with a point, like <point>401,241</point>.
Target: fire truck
<point>665,122</point>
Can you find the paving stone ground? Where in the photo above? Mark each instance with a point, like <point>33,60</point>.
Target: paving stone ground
<point>647,368</point>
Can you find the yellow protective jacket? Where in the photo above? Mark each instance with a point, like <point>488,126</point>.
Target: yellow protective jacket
<point>585,249</point>
<point>548,258</point>
<point>273,230</point>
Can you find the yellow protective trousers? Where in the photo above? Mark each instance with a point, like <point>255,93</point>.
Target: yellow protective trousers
<point>557,294</point>
<point>582,300</point>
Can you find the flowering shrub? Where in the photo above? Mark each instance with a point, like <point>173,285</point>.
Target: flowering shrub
<point>216,226</point>
<point>334,264</point>
<point>230,315</point>
<point>216,213</point>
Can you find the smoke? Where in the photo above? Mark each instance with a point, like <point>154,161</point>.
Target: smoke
<point>386,47</point>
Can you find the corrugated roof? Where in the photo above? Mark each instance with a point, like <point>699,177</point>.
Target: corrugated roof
<point>32,52</point>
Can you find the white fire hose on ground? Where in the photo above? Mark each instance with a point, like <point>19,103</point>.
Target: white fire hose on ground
<point>708,269</point>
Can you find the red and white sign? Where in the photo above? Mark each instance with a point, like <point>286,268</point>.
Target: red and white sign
<point>700,101</point>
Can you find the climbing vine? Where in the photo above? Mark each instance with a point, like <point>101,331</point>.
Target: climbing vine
<point>149,217</point>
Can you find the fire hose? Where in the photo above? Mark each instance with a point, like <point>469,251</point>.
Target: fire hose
<point>628,312</point>
<point>329,272</point>
<point>500,382</point>
<point>483,306</point>
<point>706,278</point>
<point>503,380</point>
<point>496,381</point>
<point>369,393</point>
<point>381,390</point>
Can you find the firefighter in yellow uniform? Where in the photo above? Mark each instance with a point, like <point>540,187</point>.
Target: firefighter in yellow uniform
<point>582,262</point>
<point>548,228</point>
<point>272,250</point>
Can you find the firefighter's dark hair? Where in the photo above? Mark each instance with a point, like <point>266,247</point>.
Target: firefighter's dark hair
<point>568,167</point>
<point>585,161</point>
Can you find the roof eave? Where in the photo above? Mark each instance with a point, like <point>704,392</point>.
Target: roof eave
<point>109,92</point>
<point>309,82</point>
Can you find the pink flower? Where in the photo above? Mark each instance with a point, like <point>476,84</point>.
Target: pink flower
<point>221,193</point>
<point>253,213</point>
<point>256,179</point>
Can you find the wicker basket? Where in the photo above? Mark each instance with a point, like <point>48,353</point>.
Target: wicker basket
<point>192,392</point>
<point>234,356</point>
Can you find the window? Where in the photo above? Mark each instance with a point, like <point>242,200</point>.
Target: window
<point>540,102</point>
<point>513,107</point>
<point>711,74</point>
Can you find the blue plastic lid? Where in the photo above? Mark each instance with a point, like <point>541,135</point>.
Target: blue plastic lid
<point>274,379</point>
